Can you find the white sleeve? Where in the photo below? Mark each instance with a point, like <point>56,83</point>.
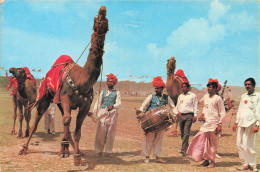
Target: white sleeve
<point>195,106</point>
<point>146,103</point>
<point>117,105</point>
<point>173,108</point>
<point>97,105</point>
<point>221,110</point>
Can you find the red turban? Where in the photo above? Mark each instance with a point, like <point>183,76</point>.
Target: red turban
<point>215,80</point>
<point>181,74</point>
<point>158,82</point>
<point>113,77</point>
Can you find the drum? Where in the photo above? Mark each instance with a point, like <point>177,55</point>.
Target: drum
<point>156,119</point>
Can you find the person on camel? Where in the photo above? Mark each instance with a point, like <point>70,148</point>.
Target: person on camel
<point>155,100</point>
<point>106,107</point>
<point>187,107</point>
<point>204,144</point>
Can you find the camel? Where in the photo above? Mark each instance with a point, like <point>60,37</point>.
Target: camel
<point>173,86</point>
<point>24,98</point>
<point>75,92</point>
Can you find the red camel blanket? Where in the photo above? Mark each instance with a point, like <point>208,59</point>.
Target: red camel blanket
<point>13,84</point>
<point>54,76</point>
<point>181,74</point>
<point>29,75</point>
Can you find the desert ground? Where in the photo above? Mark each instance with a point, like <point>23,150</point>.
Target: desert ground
<point>127,146</point>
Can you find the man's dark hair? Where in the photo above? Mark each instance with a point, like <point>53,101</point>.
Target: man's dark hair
<point>252,80</point>
<point>214,84</point>
<point>187,84</point>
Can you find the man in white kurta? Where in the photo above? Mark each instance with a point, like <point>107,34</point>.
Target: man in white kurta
<point>106,108</point>
<point>247,122</point>
<point>204,144</point>
<point>154,140</point>
<point>187,107</point>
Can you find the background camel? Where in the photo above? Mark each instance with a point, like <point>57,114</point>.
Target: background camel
<point>76,91</point>
<point>173,86</point>
<point>24,98</point>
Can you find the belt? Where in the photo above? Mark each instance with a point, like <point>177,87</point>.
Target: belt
<point>191,113</point>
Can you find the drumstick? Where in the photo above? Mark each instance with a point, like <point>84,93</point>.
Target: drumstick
<point>94,119</point>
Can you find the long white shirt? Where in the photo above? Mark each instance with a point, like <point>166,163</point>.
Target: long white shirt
<point>214,112</point>
<point>188,103</point>
<point>111,116</point>
<point>249,110</point>
<point>148,100</point>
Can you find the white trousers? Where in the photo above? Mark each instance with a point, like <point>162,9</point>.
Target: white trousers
<point>247,145</point>
<point>49,118</point>
<point>152,140</point>
<point>105,136</point>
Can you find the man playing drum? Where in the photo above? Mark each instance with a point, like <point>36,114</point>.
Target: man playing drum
<point>155,100</point>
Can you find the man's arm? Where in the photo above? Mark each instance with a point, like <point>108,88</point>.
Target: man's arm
<point>117,104</point>
<point>195,106</point>
<point>173,108</point>
<point>146,103</point>
<point>221,110</point>
<point>98,102</point>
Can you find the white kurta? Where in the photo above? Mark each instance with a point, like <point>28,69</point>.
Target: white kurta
<point>154,140</point>
<point>106,128</point>
<point>188,103</point>
<point>49,117</point>
<point>214,112</point>
<point>248,116</point>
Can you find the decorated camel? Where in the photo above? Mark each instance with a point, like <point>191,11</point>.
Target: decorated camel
<point>173,85</point>
<point>75,89</point>
<point>24,96</point>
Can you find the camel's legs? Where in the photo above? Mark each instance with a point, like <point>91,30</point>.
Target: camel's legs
<point>15,112</point>
<point>41,108</point>
<point>64,151</point>
<point>20,115</point>
<point>77,134</point>
<point>70,138</point>
<point>27,116</point>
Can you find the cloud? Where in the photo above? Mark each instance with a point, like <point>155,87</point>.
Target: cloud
<point>131,13</point>
<point>242,22</point>
<point>216,11</point>
<point>132,25</point>
<point>153,49</point>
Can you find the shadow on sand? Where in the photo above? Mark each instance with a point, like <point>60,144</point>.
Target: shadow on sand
<point>92,160</point>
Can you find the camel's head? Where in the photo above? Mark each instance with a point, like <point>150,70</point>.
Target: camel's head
<point>171,65</point>
<point>101,22</point>
<point>18,73</point>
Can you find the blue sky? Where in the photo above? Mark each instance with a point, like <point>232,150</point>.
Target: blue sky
<point>209,39</point>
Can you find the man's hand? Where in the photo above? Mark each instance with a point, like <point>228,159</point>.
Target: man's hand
<point>219,129</point>
<point>179,114</point>
<point>90,114</point>
<point>255,129</point>
<point>194,119</point>
<point>201,117</point>
<point>110,107</point>
<point>138,112</point>
<point>234,128</point>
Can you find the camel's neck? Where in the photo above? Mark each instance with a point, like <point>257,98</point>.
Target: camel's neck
<point>21,86</point>
<point>170,70</point>
<point>91,69</point>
